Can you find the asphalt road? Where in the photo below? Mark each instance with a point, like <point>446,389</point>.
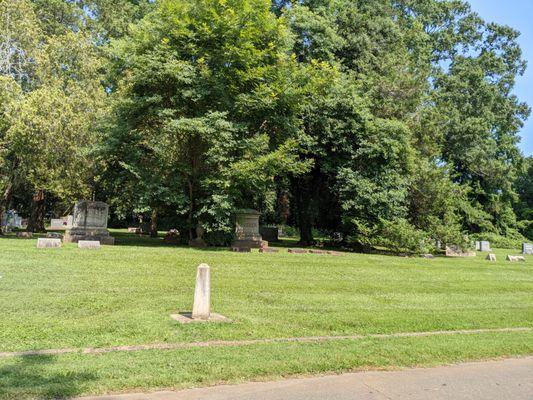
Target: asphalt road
<point>493,380</point>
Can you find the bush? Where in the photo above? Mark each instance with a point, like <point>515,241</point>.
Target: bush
<point>512,240</point>
<point>400,236</point>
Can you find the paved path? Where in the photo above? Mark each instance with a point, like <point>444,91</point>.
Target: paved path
<point>494,380</point>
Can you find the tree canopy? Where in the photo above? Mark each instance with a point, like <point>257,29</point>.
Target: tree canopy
<point>386,123</point>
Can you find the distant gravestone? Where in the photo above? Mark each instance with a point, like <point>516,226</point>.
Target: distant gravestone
<point>44,243</point>
<point>25,235</point>
<point>456,251</point>
<point>89,223</point>
<point>89,244</point>
<point>247,229</point>
<point>54,235</point>
<point>269,250</point>
<point>61,223</point>
<point>298,251</point>
<point>198,241</point>
<point>516,258</point>
<point>269,233</point>
<point>491,257</point>
<point>314,251</point>
<point>527,248</point>
<point>483,245</point>
<point>242,249</point>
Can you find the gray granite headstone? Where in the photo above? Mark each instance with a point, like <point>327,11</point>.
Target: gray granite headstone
<point>527,248</point>
<point>89,222</point>
<point>483,245</point>
<point>247,229</point>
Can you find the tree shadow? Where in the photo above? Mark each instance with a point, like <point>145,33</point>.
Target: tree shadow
<point>34,377</point>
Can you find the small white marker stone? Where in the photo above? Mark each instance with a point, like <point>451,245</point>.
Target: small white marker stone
<point>44,243</point>
<point>202,293</point>
<point>89,244</point>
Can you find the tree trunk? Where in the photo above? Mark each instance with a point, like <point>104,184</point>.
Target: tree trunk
<point>5,202</point>
<point>153,224</point>
<point>38,209</point>
<point>305,214</point>
<point>192,230</point>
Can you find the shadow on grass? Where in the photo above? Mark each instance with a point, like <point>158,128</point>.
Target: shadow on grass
<point>33,377</point>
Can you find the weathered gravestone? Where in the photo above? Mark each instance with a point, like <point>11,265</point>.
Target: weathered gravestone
<point>89,223</point>
<point>61,223</point>
<point>247,229</point>
<point>516,258</point>
<point>89,244</point>
<point>456,251</point>
<point>483,245</point>
<point>198,241</point>
<point>269,234</point>
<point>298,251</point>
<point>242,249</point>
<point>43,243</point>
<point>269,250</point>
<point>491,257</point>
<point>25,235</point>
<point>527,248</point>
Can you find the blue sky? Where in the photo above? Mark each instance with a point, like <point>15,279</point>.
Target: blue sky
<point>519,15</point>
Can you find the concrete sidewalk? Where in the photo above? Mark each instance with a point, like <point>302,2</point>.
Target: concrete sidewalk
<point>494,380</point>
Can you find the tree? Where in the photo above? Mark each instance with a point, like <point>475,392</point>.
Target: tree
<point>188,72</point>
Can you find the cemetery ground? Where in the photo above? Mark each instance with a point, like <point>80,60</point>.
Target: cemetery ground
<point>70,298</point>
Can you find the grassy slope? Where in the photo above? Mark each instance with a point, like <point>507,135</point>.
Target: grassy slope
<point>124,294</point>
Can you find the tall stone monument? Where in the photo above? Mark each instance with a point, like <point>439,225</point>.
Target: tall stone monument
<point>89,222</point>
<point>247,229</point>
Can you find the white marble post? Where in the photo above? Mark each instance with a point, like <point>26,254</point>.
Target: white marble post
<point>202,293</point>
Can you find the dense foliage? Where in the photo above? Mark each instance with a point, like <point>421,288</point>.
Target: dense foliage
<point>385,123</point>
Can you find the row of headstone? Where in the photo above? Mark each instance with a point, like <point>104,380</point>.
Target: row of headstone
<point>47,243</point>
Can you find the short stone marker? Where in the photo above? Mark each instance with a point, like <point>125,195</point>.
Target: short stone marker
<point>132,229</point>
<point>89,244</point>
<point>491,257</point>
<point>428,256</point>
<point>45,243</point>
<point>527,248</point>
<point>25,235</point>
<point>298,251</point>
<point>315,251</point>
<point>269,250</point>
<point>201,310</point>
<point>516,258</point>
<point>241,249</point>
<point>54,235</point>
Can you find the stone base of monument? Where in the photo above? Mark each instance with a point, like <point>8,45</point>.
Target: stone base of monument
<point>186,318</point>
<point>99,235</point>
<point>252,244</point>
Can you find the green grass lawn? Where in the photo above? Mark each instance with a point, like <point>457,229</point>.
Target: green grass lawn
<point>124,295</point>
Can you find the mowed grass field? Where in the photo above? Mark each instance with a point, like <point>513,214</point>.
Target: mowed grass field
<point>124,295</point>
